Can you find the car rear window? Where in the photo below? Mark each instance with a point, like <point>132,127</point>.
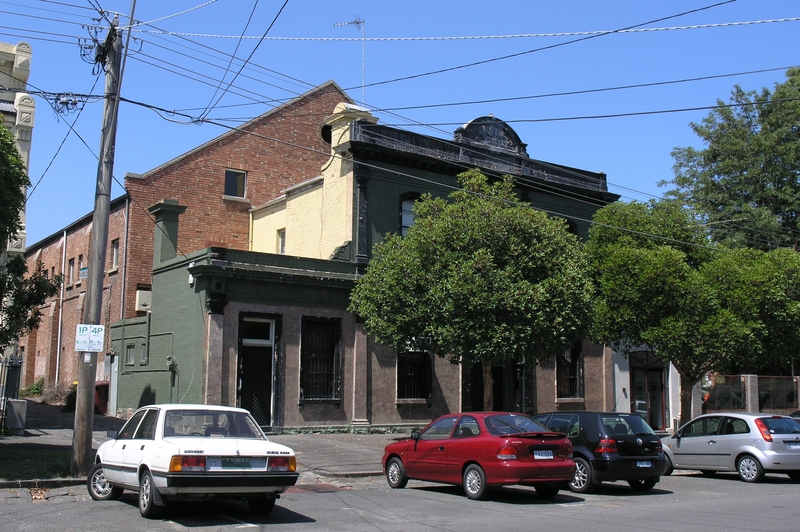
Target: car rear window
<point>211,423</point>
<point>616,424</point>
<point>781,425</point>
<point>512,424</point>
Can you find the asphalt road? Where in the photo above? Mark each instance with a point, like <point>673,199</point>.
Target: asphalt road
<point>679,503</point>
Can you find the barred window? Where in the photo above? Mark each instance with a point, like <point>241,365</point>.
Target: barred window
<point>569,373</point>
<point>320,359</point>
<point>414,374</point>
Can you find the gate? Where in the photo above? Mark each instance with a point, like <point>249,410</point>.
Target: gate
<point>10,370</point>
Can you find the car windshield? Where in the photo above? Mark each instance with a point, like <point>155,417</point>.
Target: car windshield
<point>512,424</point>
<point>616,424</point>
<point>211,423</point>
<point>781,425</point>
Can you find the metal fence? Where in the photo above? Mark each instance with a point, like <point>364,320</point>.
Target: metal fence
<point>777,393</point>
<point>726,393</point>
<point>10,370</point>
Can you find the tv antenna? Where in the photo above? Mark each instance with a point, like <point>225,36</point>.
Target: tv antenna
<point>362,24</point>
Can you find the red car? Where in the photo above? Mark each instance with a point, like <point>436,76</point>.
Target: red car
<point>481,450</point>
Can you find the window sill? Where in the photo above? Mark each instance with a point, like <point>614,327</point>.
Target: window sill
<point>235,198</point>
<point>570,400</point>
<point>113,271</point>
<point>400,402</point>
<point>303,402</point>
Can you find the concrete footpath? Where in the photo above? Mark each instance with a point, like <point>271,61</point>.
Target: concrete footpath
<point>336,455</point>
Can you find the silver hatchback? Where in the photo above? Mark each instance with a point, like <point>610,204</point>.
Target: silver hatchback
<point>749,444</point>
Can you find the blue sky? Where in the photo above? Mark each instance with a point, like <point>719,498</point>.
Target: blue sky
<point>555,49</point>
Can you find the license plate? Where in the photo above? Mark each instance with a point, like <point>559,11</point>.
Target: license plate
<point>236,463</point>
<point>543,455</point>
<point>644,464</point>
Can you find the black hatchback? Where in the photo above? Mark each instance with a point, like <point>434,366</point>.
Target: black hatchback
<point>609,446</point>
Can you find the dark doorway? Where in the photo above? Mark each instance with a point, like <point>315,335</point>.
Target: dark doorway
<point>256,368</point>
<point>506,390</point>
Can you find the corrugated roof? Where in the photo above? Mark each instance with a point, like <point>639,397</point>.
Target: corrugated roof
<point>7,107</point>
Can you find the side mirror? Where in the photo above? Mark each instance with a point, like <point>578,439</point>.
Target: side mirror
<point>415,435</point>
<point>111,434</point>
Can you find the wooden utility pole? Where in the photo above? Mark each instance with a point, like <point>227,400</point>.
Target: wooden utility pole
<point>109,54</point>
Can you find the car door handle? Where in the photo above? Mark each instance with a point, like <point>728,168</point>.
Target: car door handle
<point>711,442</point>
<point>123,447</point>
<point>441,447</point>
<point>141,448</point>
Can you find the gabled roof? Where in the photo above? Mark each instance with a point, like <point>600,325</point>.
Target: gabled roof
<point>237,130</point>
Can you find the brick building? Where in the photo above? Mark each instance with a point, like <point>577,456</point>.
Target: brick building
<point>218,183</point>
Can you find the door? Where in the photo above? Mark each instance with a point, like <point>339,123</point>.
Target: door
<point>733,434</point>
<point>136,447</point>
<point>255,373</point>
<point>427,457</point>
<point>114,458</point>
<point>696,448</point>
<point>648,396</point>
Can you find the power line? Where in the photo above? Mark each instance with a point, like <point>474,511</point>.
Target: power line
<point>488,37</point>
<point>519,54</point>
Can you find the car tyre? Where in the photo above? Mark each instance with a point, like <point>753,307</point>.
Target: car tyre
<point>749,469</point>
<point>794,475</point>
<point>147,503</point>
<point>546,492</point>
<point>396,473</point>
<point>98,486</point>
<point>583,481</point>
<point>670,468</point>
<point>475,482</point>
<point>262,505</point>
<point>643,484</point>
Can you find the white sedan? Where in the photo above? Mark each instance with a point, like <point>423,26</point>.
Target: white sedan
<point>192,452</point>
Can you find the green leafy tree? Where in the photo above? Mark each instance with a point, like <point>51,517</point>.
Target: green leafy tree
<point>662,288</point>
<point>20,294</point>
<point>745,182</point>
<point>478,278</point>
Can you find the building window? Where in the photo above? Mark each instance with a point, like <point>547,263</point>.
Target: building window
<point>407,211</point>
<point>414,375</point>
<point>80,270</point>
<point>234,183</point>
<point>70,272</point>
<point>569,373</point>
<point>320,359</point>
<point>130,349</point>
<point>281,247</point>
<point>115,254</point>
<point>144,356</point>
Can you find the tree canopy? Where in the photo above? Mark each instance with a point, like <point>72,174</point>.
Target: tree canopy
<point>745,182</point>
<point>478,278</point>
<point>663,288</point>
<point>20,294</point>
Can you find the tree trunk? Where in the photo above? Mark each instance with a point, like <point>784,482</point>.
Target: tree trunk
<point>488,387</point>
<point>687,382</point>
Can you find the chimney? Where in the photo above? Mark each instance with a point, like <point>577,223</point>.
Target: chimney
<point>165,242</point>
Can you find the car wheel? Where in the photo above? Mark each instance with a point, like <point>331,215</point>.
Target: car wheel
<point>794,475</point>
<point>546,492</point>
<point>582,481</point>
<point>475,482</point>
<point>262,505</point>
<point>670,468</point>
<point>643,484</point>
<point>396,473</point>
<point>749,469</point>
<point>99,488</point>
<point>147,504</point>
